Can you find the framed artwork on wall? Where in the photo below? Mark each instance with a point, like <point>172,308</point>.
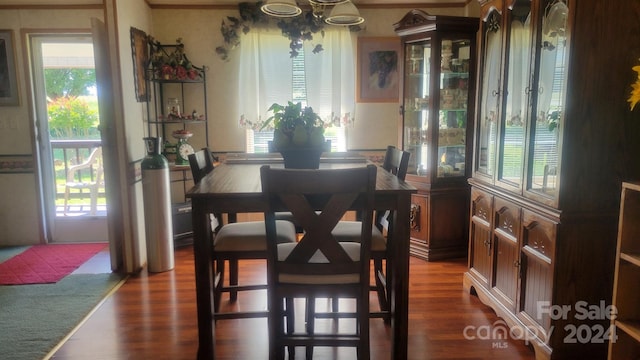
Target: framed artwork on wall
<point>377,67</point>
<point>8,81</point>
<point>140,53</point>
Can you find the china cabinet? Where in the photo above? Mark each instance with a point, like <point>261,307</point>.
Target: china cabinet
<point>554,140</point>
<point>177,112</point>
<point>438,66</point>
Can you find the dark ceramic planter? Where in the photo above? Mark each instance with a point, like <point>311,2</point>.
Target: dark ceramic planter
<point>296,157</point>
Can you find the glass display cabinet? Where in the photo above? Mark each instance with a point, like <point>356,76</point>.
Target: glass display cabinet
<point>437,100</point>
<point>551,150</point>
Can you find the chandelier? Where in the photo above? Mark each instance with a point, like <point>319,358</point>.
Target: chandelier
<point>344,12</point>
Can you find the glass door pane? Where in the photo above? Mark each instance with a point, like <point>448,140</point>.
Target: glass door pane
<point>543,171</point>
<point>516,97</point>
<point>490,100</point>
<point>454,96</point>
<point>416,105</point>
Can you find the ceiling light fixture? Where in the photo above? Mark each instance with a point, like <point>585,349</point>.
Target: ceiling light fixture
<point>344,12</point>
<point>281,8</point>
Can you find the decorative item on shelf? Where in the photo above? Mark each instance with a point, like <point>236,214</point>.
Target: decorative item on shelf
<point>169,150</point>
<point>298,135</point>
<point>183,148</point>
<point>169,62</point>
<point>447,99</point>
<point>173,108</point>
<point>298,24</point>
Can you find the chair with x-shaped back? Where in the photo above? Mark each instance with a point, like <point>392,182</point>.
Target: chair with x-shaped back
<point>318,266</point>
<point>396,161</point>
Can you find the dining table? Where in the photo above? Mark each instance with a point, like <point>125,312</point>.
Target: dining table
<point>234,187</point>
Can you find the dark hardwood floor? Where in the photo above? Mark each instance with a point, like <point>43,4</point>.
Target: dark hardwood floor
<point>153,316</point>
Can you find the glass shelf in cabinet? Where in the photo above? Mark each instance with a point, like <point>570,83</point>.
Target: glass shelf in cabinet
<point>445,74</point>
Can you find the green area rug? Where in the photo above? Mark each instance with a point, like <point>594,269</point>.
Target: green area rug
<point>7,253</point>
<point>35,318</point>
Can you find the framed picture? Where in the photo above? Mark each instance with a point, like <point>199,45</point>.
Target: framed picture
<point>140,53</point>
<point>8,82</point>
<point>378,73</point>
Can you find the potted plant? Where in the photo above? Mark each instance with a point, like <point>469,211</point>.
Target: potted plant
<point>298,135</point>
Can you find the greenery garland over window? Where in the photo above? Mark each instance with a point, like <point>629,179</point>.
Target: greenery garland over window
<point>297,29</point>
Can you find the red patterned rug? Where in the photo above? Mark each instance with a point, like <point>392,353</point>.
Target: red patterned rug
<point>45,264</point>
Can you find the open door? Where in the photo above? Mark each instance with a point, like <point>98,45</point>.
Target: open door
<point>104,78</point>
<point>69,140</point>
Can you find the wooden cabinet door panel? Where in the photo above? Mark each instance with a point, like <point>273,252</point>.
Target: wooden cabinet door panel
<point>480,235</point>
<point>506,263</point>
<point>537,261</point>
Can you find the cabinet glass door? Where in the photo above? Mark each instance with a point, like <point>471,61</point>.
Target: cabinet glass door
<point>545,129</point>
<point>452,114</point>
<point>417,105</point>
<point>489,106</point>
<point>511,161</point>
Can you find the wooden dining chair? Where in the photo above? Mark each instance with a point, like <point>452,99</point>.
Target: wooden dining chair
<point>396,162</point>
<point>318,266</point>
<point>201,163</point>
<point>233,242</point>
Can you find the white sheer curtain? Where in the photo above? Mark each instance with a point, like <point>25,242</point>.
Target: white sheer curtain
<point>331,77</point>
<point>519,58</point>
<point>266,75</point>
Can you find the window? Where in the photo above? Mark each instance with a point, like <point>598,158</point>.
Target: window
<point>324,81</point>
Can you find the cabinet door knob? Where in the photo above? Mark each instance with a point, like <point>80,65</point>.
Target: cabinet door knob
<point>414,217</point>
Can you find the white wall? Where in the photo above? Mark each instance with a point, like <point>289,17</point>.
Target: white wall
<point>132,13</point>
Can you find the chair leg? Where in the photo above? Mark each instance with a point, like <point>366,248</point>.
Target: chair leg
<point>289,313</point>
<point>217,287</point>
<point>363,327</point>
<point>275,321</point>
<point>310,326</point>
<point>380,285</point>
<point>387,289</point>
<point>233,279</point>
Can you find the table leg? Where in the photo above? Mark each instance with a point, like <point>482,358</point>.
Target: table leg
<point>400,279</point>
<point>204,278</point>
